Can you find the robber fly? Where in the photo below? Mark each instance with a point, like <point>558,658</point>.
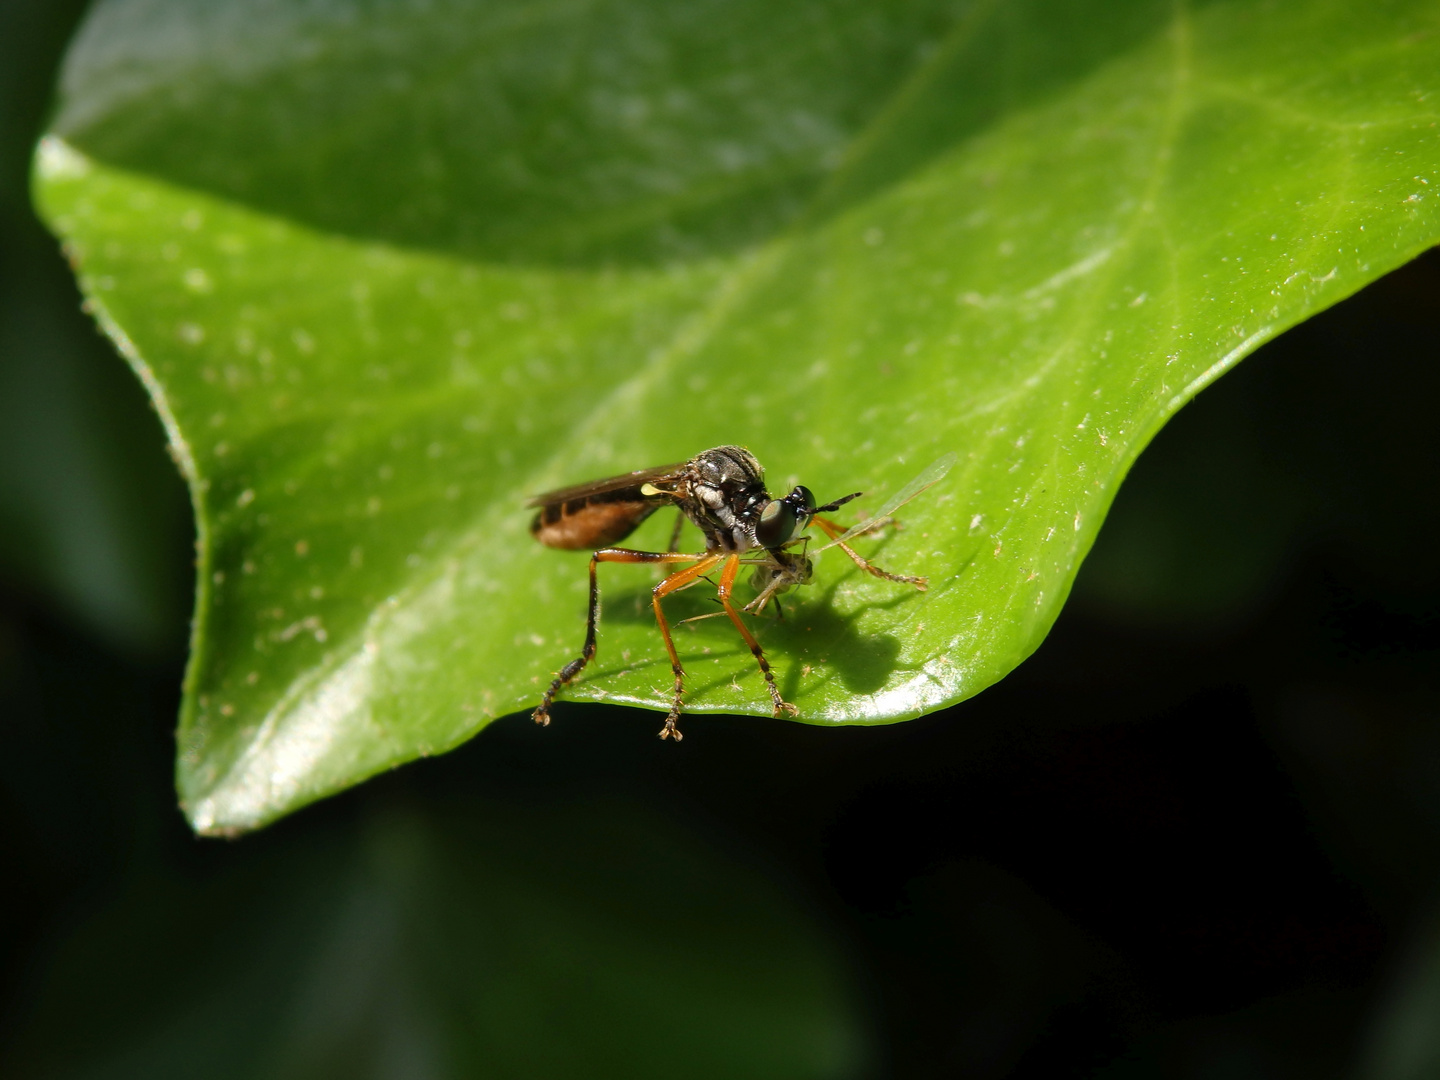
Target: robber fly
<point>722,492</point>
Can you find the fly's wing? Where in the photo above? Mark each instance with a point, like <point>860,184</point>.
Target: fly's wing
<point>637,479</point>
<point>602,512</point>
<point>931,475</point>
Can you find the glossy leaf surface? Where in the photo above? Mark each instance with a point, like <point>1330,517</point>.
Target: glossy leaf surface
<point>389,269</point>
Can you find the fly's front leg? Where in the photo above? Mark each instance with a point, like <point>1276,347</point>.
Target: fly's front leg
<point>833,531</point>
<point>678,580</point>
<point>592,622</point>
<point>727,580</point>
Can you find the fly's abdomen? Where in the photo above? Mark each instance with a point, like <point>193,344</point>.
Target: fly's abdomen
<point>592,522</point>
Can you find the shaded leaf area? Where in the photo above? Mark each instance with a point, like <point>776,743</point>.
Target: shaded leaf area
<point>563,132</point>
<point>1010,231</point>
<point>439,941</point>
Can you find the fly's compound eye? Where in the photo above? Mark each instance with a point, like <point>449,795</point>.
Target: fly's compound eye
<point>776,524</point>
<point>805,495</point>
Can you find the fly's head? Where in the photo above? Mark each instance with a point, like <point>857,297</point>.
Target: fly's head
<point>780,519</point>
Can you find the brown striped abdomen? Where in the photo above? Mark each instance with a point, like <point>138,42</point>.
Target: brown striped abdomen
<point>589,523</point>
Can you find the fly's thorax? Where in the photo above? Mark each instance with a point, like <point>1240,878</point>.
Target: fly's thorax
<point>727,465</point>
<point>726,486</point>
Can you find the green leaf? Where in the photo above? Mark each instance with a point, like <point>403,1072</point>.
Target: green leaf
<point>389,269</point>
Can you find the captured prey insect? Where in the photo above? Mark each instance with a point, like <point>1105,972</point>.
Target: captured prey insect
<point>722,492</point>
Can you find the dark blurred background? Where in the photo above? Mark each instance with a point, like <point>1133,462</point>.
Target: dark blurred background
<point>1196,835</point>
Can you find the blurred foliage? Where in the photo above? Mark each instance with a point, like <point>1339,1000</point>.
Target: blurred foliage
<point>567,941</point>
<point>90,512</point>
<point>388,269</point>
<point>1406,1042</point>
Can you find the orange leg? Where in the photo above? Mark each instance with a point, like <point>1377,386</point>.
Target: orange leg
<point>727,579</point>
<point>833,531</point>
<point>587,653</point>
<point>678,580</point>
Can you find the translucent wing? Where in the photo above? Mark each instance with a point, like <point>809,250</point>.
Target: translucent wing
<point>634,479</point>
<point>602,512</point>
<point>931,475</point>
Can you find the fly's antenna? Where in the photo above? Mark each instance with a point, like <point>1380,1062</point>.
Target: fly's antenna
<point>830,507</point>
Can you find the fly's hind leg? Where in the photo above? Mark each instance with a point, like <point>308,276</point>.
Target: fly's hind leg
<point>587,653</point>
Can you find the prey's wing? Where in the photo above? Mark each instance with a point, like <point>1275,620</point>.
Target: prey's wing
<point>931,475</point>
